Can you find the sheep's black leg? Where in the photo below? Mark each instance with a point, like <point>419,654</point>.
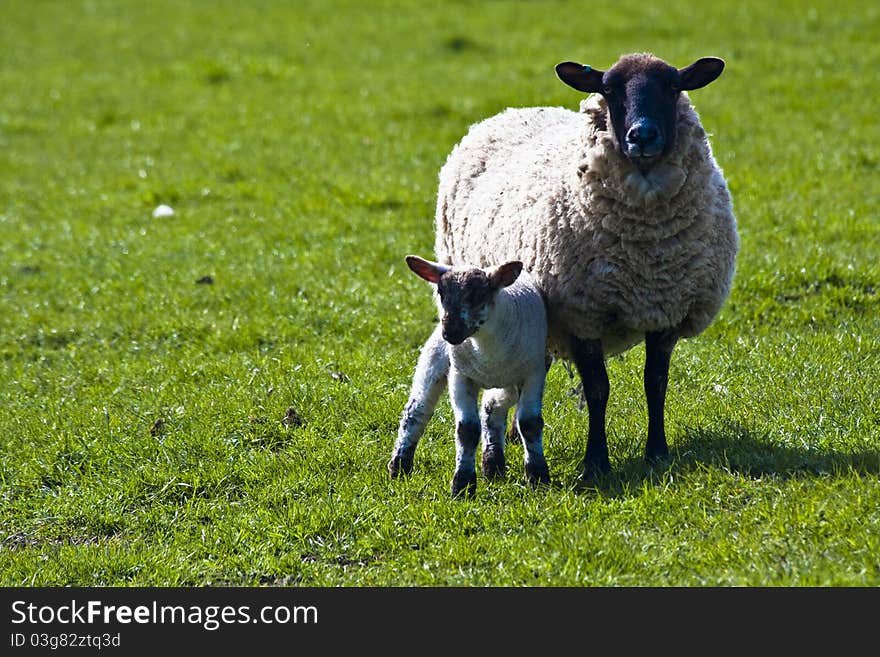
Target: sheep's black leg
<point>590,362</point>
<point>658,351</point>
<point>464,479</point>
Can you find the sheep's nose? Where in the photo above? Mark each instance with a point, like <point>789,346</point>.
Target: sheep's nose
<point>454,332</point>
<point>643,133</point>
<point>454,337</point>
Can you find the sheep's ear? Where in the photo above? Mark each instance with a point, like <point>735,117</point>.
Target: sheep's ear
<point>506,274</point>
<point>430,271</point>
<point>700,73</point>
<point>581,77</point>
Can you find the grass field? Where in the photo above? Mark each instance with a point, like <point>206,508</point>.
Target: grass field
<point>299,145</point>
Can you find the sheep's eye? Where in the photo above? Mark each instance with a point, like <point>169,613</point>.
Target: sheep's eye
<point>674,88</point>
<point>606,90</point>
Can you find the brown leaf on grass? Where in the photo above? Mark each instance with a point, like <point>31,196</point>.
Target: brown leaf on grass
<point>292,418</point>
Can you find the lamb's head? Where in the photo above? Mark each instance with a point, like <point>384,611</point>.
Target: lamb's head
<point>641,92</point>
<point>466,295</point>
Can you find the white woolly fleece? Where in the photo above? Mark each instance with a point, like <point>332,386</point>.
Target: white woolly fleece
<point>614,252</point>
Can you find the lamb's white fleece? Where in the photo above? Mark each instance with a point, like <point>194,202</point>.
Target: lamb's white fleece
<point>511,346</point>
<point>614,252</point>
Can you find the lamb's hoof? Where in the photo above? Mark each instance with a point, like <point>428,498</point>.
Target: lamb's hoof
<point>401,464</point>
<point>464,484</point>
<point>537,473</point>
<point>494,464</point>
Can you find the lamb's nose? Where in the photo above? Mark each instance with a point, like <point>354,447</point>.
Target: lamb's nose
<point>454,337</point>
<point>642,133</point>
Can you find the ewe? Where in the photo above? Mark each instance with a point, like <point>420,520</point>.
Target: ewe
<point>619,212</point>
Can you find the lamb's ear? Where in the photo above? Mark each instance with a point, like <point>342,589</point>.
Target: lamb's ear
<point>430,271</point>
<point>580,76</point>
<point>506,274</point>
<point>700,73</point>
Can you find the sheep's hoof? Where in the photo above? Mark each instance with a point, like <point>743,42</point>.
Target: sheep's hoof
<point>658,462</point>
<point>464,484</point>
<point>494,464</point>
<point>598,464</point>
<point>657,456</point>
<point>400,464</point>
<point>594,471</point>
<point>537,473</point>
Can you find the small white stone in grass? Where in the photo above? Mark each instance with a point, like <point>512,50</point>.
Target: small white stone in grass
<point>163,211</point>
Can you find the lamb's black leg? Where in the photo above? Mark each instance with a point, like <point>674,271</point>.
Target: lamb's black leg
<point>658,350</point>
<point>590,362</point>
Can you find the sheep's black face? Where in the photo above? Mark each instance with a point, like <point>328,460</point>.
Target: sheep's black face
<point>466,297</point>
<point>642,97</point>
<point>642,92</point>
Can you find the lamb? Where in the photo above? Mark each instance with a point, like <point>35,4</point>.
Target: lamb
<point>492,336</point>
<point>619,211</point>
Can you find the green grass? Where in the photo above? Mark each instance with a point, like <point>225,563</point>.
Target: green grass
<point>299,144</point>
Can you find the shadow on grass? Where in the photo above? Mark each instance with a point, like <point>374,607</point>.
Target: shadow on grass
<point>737,449</point>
